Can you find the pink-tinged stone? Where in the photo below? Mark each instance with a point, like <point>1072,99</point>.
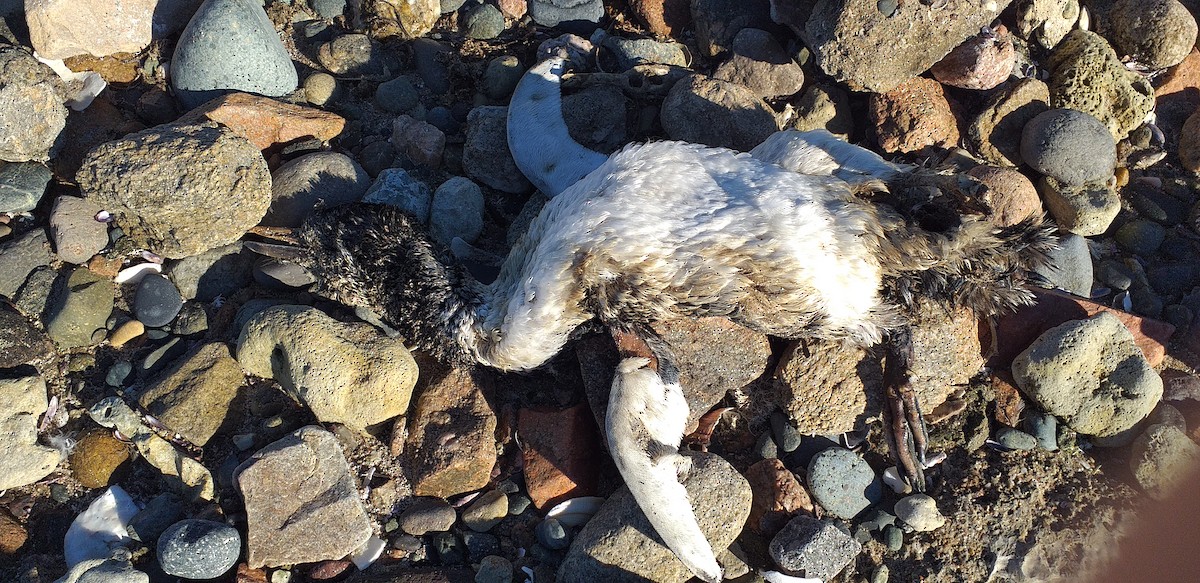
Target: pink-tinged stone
<point>1010,194</point>
<point>1178,95</point>
<point>512,8</point>
<point>778,496</point>
<point>912,116</point>
<point>981,62</point>
<point>421,142</point>
<point>663,17</point>
<point>1017,330</point>
<point>561,449</point>
<point>64,28</point>
<point>451,445</point>
<point>267,122</point>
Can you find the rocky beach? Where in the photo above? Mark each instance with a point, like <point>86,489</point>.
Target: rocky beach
<point>176,405</point>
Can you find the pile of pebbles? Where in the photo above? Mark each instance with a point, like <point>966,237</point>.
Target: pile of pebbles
<point>180,408</point>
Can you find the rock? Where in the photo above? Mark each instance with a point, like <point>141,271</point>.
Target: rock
<point>431,57</point>
<point>352,54</point>
<point>1177,96</point>
<point>717,22</point>
<point>778,496</point>
<point>99,459</point>
<point>346,373</point>
<point>64,28</point>
<point>1157,34</point>
<point>494,569</point>
<point>22,186</point>
<point>301,502</point>
<point>199,549</point>
<point>267,122</point>
<point>1090,374</point>
<point>1044,427</point>
<point>1010,194</point>
<point>20,341</point>
<point>1084,210</point>
<point>114,570</point>
<point>76,232</point>
<point>328,9</point>
<point>842,483</point>
<point>325,179</point>
<point>663,17</point>
<point>486,511</point>
<point>814,547</point>
<point>823,386</point>
<point>1162,459</point>
<point>602,551</point>
<point>321,88</point>
<point>559,449</point>
<point>920,512</point>
<point>761,64</point>
<point>404,19</point>
<point>1015,440</point>
<point>157,301</point>
<point>1087,76</point>
<point>552,13</point>
<point>552,535</point>
<point>486,157</point>
<point>451,443</point>
<point>1046,22</point>
<point>824,107</point>
<point>949,352</point>
<point>1189,143</point>
<point>159,513</point>
<point>597,117</point>
<point>1140,237</point>
<point>914,115</point>
<point>484,22</point>
<point>995,134</point>
<point>421,142</point>
<point>397,95</point>
<point>716,113</point>
<point>501,76</point>
<point>24,460</point>
<point>194,396</point>
<point>32,113</point>
<point>630,52</point>
<point>1070,146</point>
<point>1070,267</point>
<point>19,257</point>
<point>12,534</point>
<point>230,45</point>
<point>397,188</point>
<point>981,62</point>
<point>79,309</point>
<point>164,183</point>
<point>221,271</point>
<point>456,211</point>
<point>427,515</point>
<point>845,37</point>
<point>514,9</point>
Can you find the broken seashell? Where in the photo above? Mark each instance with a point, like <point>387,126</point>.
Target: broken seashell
<point>96,531</point>
<point>135,273</point>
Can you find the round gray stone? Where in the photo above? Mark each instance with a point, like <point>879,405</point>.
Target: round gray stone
<point>1140,237</point>
<point>230,45</point>
<point>328,8</point>
<point>816,547</point>
<point>552,535</point>
<point>501,76</point>
<point>427,515</point>
<point>456,211</point>
<point>1069,145</point>
<point>547,13</point>
<point>157,301</point>
<point>920,512</point>
<point>397,95</point>
<point>484,22</point>
<point>22,186</point>
<point>398,188</point>
<point>198,549</point>
<point>1070,266</point>
<point>842,482</point>
<point>297,187</point>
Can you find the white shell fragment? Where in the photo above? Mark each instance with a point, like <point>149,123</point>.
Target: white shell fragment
<point>576,511</point>
<point>96,531</point>
<point>92,82</point>
<point>135,273</point>
<point>891,477</point>
<point>777,577</point>
<point>368,553</point>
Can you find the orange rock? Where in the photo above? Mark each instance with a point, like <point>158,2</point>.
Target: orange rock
<point>1015,331</point>
<point>12,534</point>
<point>778,496</point>
<point>104,266</point>
<point>663,17</point>
<point>451,445</point>
<point>1011,194</point>
<point>267,122</point>
<point>914,115</point>
<point>245,574</point>
<point>1178,95</point>
<point>561,448</point>
<point>1009,402</point>
<point>126,332</point>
